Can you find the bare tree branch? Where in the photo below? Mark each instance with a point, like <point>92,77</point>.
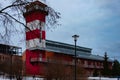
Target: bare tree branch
<point>13,13</point>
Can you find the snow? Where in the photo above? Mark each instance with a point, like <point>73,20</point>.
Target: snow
<point>101,78</point>
<point>27,78</point>
<point>89,78</point>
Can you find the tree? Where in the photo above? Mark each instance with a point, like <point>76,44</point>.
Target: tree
<point>4,64</point>
<point>12,65</point>
<point>116,68</point>
<point>106,69</point>
<point>17,66</point>
<point>95,73</point>
<point>11,16</point>
<point>55,69</point>
<point>58,69</point>
<point>81,73</point>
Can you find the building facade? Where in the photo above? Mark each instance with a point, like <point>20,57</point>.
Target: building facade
<point>39,50</point>
<point>66,52</point>
<point>10,60</point>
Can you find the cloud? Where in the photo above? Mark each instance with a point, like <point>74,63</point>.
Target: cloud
<point>96,21</point>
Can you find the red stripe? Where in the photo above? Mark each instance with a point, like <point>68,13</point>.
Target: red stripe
<point>35,16</point>
<point>33,34</point>
<point>43,35</point>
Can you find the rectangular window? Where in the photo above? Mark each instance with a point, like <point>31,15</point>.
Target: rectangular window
<point>89,62</point>
<point>40,57</point>
<point>82,61</point>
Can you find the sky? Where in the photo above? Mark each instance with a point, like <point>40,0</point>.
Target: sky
<point>97,22</point>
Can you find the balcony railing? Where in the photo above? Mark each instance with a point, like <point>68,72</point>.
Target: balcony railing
<point>44,60</point>
<point>92,66</point>
<point>38,60</point>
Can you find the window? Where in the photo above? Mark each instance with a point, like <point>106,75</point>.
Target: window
<point>97,63</point>
<point>40,57</point>
<point>0,57</point>
<point>82,61</point>
<point>89,62</point>
<point>3,57</point>
<point>79,61</point>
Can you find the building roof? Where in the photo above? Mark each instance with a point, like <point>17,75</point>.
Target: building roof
<point>68,49</point>
<point>9,49</point>
<point>9,46</point>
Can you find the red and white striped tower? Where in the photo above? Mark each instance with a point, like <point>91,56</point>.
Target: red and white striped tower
<point>35,21</point>
<point>35,36</point>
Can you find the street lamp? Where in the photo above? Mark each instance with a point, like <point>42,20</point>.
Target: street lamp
<point>75,39</point>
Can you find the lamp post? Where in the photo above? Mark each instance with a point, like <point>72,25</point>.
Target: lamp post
<point>75,39</point>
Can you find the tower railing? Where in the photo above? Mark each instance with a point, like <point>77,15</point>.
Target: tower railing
<point>44,60</point>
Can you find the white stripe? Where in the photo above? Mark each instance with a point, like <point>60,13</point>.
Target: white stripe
<point>43,26</point>
<point>35,43</point>
<point>32,43</point>
<point>36,25</point>
<point>43,44</point>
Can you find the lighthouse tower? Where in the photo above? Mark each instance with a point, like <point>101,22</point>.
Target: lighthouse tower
<point>35,20</point>
<point>35,15</point>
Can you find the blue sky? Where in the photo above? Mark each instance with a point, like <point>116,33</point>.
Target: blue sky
<point>97,22</point>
